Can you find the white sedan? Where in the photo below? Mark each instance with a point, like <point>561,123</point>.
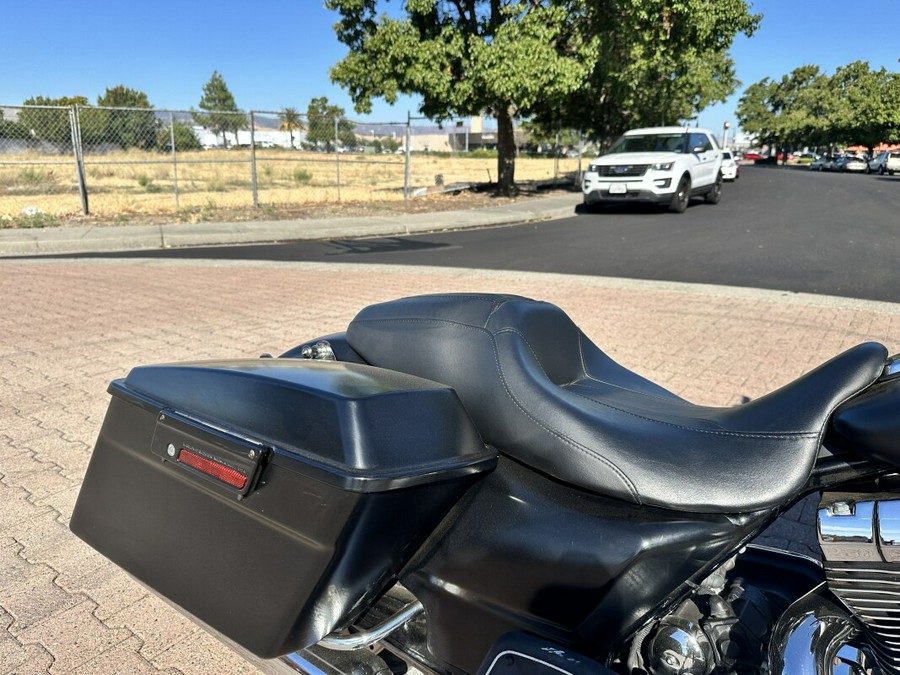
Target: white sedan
<point>730,168</point>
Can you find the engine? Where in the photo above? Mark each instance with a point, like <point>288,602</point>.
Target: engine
<point>723,628</point>
<point>860,539</point>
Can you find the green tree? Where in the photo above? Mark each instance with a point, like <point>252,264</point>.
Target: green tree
<point>595,65</point>
<point>504,57</point>
<point>866,105</point>
<point>389,144</point>
<point>49,120</point>
<point>290,120</point>
<point>222,112</point>
<point>320,120</point>
<point>855,106</point>
<point>788,113</point>
<point>185,139</point>
<point>660,62</point>
<point>132,128</point>
<point>12,129</point>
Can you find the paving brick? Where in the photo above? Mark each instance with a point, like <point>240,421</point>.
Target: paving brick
<point>123,659</point>
<point>33,660</point>
<point>201,654</point>
<point>14,569</point>
<point>18,509</point>
<point>35,598</point>
<point>74,637</point>
<point>710,345</point>
<point>156,623</point>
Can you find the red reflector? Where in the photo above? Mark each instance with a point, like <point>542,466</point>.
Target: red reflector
<point>210,468</point>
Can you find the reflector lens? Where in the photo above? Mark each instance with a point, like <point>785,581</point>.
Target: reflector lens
<point>211,468</point>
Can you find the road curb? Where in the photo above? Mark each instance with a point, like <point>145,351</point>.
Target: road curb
<point>53,241</point>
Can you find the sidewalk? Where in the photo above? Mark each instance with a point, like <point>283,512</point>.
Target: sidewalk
<point>70,326</point>
<point>43,241</point>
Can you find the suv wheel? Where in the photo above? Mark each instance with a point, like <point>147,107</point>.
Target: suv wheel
<point>715,193</point>
<point>682,195</point>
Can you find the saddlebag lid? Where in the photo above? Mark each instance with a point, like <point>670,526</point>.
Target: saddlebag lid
<point>356,427</point>
<point>274,499</point>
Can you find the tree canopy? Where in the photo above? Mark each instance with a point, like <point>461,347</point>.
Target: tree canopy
<point>596,65</point>
<point>49,119</point>
<point>290,120</point>
<point>223,114</point>
<point>133,128</point>
<point>855,105</point>
<point>320,120</point>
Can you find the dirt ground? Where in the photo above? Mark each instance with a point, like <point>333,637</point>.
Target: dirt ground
<point>462,200</point>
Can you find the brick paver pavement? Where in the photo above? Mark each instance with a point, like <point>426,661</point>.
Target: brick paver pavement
<point>67,328</point>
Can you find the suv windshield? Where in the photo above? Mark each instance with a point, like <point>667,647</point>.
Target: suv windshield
<point>651,143</point>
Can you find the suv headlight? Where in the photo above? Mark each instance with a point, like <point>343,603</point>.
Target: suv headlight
<point>663,166</point>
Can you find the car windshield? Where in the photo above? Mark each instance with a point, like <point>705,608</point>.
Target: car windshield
<point>675,142</point>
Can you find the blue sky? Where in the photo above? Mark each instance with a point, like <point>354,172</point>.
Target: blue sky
<point>278,53</point>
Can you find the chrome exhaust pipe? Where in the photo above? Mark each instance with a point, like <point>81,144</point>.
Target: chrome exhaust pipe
<point>813,635</point>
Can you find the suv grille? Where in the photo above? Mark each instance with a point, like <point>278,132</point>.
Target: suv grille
<point>872,591</point>
<point>623,170</point>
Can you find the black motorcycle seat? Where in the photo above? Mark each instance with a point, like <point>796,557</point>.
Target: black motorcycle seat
<point>542,393</point>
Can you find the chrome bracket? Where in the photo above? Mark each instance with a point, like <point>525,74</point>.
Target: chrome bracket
<point>367,638</point>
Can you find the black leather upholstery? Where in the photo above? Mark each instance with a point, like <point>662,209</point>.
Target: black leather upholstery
<point>542,393</point>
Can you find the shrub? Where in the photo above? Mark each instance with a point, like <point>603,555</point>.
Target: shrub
<point>302,176</point>
<point>147,183</point>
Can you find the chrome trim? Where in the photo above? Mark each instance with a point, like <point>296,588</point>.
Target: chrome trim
<point>809,635</point>
<point>301,665</point>
<point>889,529</point>
<point>847,531</point>
<point>320,351</point>
<point>367,638</point>
<point>891,369</point>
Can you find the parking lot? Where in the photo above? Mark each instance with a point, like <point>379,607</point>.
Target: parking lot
<point>70,327</point>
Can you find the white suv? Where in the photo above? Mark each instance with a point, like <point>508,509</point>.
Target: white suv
<point>661,165</point>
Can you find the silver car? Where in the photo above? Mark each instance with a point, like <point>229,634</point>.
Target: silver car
<point>886,162</point>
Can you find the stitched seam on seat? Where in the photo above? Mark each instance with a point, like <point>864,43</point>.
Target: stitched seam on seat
<point>414,319</point>
<point>584,369</point>
<point>739,434</point>
<point>565,439</point>
<point>498,303</point>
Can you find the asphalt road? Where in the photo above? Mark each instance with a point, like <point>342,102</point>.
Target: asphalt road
<point>775,228</point>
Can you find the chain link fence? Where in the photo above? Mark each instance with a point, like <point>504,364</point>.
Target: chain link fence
<point>58,161</point>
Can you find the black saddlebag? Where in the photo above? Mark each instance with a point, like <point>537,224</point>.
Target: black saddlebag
<point>274,499</point>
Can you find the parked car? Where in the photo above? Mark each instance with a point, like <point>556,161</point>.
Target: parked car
<point>660,165</point>
<point>852,163</point>
<point>887,161</point>
<point>730,169</point>
<point>818,164</point>
<point>831,163</point>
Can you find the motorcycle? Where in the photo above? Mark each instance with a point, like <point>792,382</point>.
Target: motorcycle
<point>465,484</point>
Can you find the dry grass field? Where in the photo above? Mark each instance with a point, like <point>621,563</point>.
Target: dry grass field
<point>132,183</point>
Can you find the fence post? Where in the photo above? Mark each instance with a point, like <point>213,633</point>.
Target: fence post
<point>556,155</point>
<point>337,157</point>
<point>406,168</point>
<point>253,184</point>
<point>174,155</point>
<point>75,127</point>
<point>580,153</point>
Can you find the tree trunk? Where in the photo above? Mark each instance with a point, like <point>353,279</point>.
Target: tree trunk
<point>506,151</point>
